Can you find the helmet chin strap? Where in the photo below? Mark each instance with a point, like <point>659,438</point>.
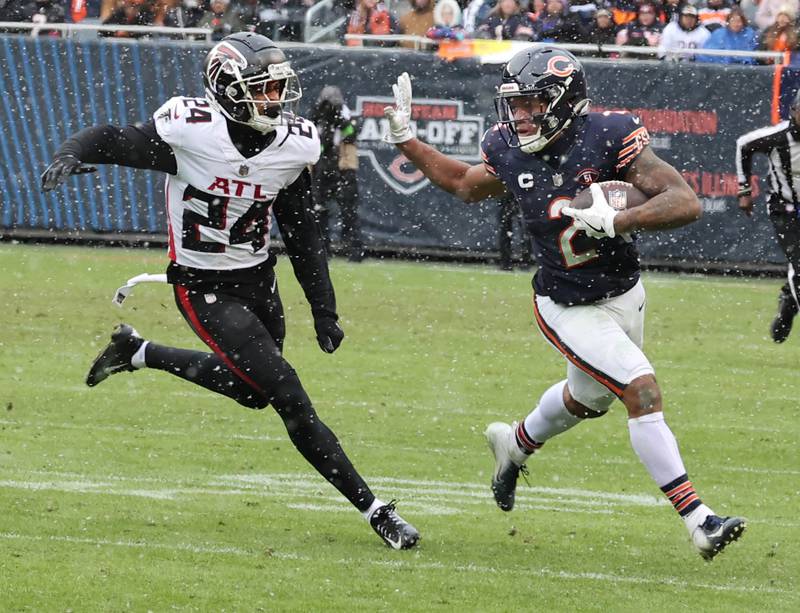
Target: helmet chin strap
<point>261,124</point>
<point>536,142</point>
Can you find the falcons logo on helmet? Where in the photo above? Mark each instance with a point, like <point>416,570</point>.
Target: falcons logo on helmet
<point>225,58</point>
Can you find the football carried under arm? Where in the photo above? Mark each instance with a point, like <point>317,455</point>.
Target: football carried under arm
<point>672,202</point>
<point>597,220</point>
<point>469,183</point>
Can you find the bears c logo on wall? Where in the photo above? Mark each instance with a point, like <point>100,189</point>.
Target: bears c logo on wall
<point>440,123</point>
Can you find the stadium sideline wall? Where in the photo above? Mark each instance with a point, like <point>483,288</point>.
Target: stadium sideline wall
<point>55,87</point>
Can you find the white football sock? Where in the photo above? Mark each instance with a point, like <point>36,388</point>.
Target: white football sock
<point>551,416</point>
<point>137,361</point>
<point>654,443</point>
<point>376,504</point>
<point>697,517</point>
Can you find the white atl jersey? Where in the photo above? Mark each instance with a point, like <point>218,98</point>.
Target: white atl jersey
<point>219,203</point>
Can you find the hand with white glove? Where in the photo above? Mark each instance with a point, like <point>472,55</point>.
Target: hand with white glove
<point>399,115</point>
<point>598,220</point>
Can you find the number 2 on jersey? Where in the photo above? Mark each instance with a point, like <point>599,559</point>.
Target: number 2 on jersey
<point>570,256</point>
<point>251,227</point>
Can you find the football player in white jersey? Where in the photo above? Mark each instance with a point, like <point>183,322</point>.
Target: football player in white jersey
<point>232,159</point>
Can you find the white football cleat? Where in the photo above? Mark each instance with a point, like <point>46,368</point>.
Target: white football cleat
<point>509,461</point>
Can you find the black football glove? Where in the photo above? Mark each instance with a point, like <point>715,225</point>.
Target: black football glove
<point>60,169</point>
<point>329,334</point>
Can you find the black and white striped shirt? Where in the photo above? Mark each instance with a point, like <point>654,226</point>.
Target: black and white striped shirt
<point>781,144</point>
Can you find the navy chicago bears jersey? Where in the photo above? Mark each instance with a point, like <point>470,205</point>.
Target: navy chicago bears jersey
<point>573,268</point>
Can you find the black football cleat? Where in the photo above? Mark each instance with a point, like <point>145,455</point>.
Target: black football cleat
<point>396,532</point>
<point>716,533</point>
<point>116,357</point>
<point>500,437</point>
<point>787,309</point>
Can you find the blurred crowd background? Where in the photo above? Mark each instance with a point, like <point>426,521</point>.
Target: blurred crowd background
<point>661,25</point>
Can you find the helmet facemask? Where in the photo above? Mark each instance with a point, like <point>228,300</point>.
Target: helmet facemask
<point>556,118</point>
<point>249,98</point>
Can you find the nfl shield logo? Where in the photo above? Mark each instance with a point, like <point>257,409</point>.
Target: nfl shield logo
<point>618,199</point>
<point>244,170</point>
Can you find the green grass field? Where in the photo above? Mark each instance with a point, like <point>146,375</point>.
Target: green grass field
<point>147,493</point>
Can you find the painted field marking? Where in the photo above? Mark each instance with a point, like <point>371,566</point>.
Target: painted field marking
<point>409,565</point>
<point>551,454</point>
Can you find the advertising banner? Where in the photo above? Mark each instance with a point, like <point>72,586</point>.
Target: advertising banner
<point>694,113</point>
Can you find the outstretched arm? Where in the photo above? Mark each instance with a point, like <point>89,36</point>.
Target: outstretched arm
<point>135,145</point>
<point>471,183</point>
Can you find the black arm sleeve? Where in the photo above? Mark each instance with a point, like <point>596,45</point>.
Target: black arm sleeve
<point>135,145</point>
<point>294,212</point>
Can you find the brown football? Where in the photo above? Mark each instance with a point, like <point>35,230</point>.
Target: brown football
<point>620,195</point>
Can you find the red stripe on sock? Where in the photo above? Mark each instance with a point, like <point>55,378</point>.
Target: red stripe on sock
<point>526,441</point>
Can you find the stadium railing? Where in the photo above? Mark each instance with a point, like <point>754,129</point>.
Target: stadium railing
<point>313,30</point>
<point>511,47</point>
<point>71,30</point>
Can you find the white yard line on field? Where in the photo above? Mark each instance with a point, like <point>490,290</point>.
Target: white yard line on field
<point>298,490</point>
<point>439,497</point>
<point>408,565</point>
<point>209,433</point>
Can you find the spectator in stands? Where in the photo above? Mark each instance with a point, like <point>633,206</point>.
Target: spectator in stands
<point>506,21</point>
<point>768,10</point>
<point>33,11</point>
<point>131,13</point>
<point>736,35</point>
<point>417,21</point>
<point>536,9</point>
<point>603,31</point>
<point>275,19</point>
<point>446,21</point>
<point>670,10</point>
<point>222,19</point>
<point>251,12</point>
<point>781,35</point>
<point>715,14</point>
<point>584,10</point>
<point>475,13</point>
<point>370,17</point>
<point>644,31</point>
<point>184,14</point>
<point>686,33</point>
<point>624,11</point>
<point>557,25</point>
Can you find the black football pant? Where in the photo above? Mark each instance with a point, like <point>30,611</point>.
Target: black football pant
<point>247,365</point>
<point>787,231</point>
<point>507,211</point>
<point>342,188</point>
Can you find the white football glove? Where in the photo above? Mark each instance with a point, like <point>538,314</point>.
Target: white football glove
<point>598,220</point>
<point>399,115</point>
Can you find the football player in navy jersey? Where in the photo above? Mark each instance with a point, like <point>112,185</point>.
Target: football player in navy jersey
<point>588,298</point>
<point>232,159</point>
